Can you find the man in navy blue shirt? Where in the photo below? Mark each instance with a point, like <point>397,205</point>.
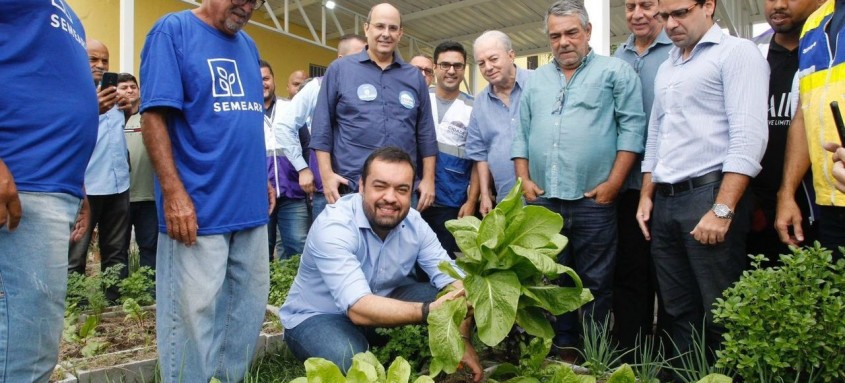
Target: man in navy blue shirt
<point>370,100</point>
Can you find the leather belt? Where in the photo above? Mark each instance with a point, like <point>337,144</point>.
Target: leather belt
<point>669,190</point>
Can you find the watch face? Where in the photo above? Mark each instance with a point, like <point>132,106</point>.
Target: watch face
<point>721,210</point>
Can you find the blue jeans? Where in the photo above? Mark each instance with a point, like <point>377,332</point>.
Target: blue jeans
<point>143,216</point>
<point>291,218</point>
<point>691,275</point>
<point>335,338</point>
<point>33,284</point>
<point>318,204</point>
<point>211,299</point>
<point>591,228</point>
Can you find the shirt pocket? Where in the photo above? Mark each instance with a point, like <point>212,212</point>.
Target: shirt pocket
<point>588,96</point>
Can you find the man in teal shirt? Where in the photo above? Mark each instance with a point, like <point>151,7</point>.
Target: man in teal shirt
<point>574,149</point>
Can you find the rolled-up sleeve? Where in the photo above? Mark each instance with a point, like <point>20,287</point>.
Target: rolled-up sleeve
<point>628,104</point>
<point>476,150</point>
<point>519,147</point>
<point>287,125</point>
<point>745,77</point>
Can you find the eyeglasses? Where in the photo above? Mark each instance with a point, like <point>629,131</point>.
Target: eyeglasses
<point>678,14</point>
<point>445,66</point>
<point>426,71</point>
<point>255,3</point>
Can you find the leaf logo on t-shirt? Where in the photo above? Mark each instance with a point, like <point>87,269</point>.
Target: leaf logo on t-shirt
<point>226,81</point>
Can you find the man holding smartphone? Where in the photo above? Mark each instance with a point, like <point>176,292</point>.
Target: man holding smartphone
<point>107,175</point>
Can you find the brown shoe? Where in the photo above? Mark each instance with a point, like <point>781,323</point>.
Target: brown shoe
<point>567,355</point>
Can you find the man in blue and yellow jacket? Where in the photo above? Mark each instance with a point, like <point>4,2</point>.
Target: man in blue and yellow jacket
<point>821,80</point>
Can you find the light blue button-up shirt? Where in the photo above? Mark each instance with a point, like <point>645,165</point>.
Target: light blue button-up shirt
<point>344,260</point>
<point>710,111</point>
<point>491,130</point>
<point>299,112</point>
<point>108,169</point>
<point>646,66</point>
<point>571,131</point>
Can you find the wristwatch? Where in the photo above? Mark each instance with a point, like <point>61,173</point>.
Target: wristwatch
<point>722,211</point>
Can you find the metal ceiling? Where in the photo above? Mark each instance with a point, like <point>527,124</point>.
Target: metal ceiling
<point>429,22</point>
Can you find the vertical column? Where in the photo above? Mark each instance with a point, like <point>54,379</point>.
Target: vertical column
<point>599,11</point>
<point>127,36</point>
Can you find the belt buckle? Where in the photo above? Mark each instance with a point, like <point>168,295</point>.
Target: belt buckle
<point>668,190</point>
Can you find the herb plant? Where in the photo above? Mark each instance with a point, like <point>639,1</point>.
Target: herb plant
<point>785,324</point>
<point>282,274</point>
<point>139,286</point>
<point>509,259</point>
<point>409,342</point>
<point>89,292</point>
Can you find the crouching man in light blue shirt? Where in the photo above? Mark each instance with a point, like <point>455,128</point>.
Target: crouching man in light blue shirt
<point>357,268</point>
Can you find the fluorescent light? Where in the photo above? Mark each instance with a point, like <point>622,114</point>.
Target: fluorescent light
<point>330,4</point>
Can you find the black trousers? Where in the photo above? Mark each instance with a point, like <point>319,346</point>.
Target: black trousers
<point>111,214</point>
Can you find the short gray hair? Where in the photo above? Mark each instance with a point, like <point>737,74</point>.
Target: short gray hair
<point>499,36</point>
<point>567,8</point>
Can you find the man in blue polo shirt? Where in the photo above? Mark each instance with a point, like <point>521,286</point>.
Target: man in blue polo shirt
<point>203,112</point>
<point>47,135</point>
<point>369,100</point>
<point>293,129</point>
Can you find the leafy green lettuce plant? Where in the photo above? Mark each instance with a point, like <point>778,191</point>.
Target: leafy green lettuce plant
<point>509,260</point>
<point>366,368</point>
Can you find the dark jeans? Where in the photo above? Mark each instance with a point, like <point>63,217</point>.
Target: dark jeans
<point>111,214</point>
<point>832,228</point>
<point>591,230</point>
<point>692,275</point>
<point>334,337</point>
<point>634,280</point>
<point>436,217</point>
<point>143,217</point>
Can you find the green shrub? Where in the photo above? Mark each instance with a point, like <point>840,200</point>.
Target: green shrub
<point>138,286</point>
<point>786,323</point>
<point>282,274</point>
<point>88,293</point>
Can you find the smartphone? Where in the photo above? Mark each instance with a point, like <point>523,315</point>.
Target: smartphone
<point>109,79</point>
<point>837,118</point>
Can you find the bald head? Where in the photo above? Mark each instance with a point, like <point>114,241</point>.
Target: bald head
<point>384,8</point>
<point>294,81</point>
<point>383,30</point>
<point>350,44</point>
<point>98,58</point>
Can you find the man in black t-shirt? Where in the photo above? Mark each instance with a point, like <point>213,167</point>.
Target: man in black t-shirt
<point>780,46</point>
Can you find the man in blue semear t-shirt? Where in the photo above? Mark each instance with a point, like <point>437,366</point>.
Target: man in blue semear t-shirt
<point>203,115</point>
<point>370,100</point>
<point>47,134</point>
